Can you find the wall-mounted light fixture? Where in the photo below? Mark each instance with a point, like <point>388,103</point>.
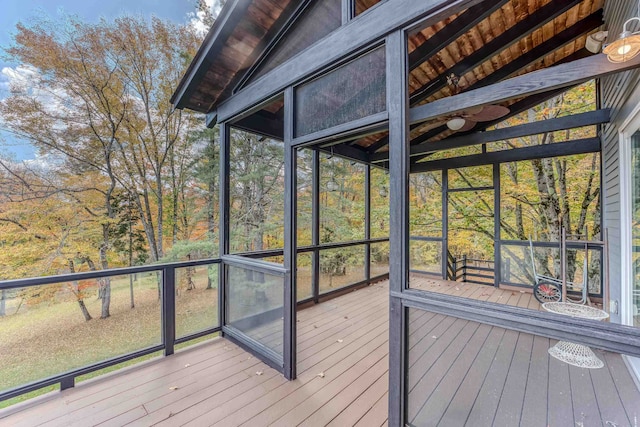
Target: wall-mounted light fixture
<point>626,47</point>
<point>595,41</point>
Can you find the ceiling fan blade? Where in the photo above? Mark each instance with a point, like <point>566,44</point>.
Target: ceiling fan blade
<point>469,124</point>
<point>489,113</point>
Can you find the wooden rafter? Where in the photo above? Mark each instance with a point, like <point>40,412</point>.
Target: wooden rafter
<point>447,35</point>
<point>511,36</point>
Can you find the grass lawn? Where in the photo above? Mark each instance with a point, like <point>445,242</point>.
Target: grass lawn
<point>52,337</point>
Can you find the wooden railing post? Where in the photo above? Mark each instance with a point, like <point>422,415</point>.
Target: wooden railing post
<point>464,268</point>
<point>169,309</point>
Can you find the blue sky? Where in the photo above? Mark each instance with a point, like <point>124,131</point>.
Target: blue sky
<point>14,11</point>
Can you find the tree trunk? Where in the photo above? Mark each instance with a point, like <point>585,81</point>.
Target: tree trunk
<point>104,284</point>
<point>78,294</point>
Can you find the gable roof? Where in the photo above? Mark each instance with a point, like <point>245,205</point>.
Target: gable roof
<point>232,45</point>
<point>489,42</point>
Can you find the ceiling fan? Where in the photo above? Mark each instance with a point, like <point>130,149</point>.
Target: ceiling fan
<point>466,120</point>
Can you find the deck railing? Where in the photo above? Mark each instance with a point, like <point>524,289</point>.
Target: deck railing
<point>167,292</point>
<point>165,275</point>
<point>470,270</point>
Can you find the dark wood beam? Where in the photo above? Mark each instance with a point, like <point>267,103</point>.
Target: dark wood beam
<point>580,146</point>
<point>511,36</point>
<point>451,32</point>
<point>556,77</point>
<point>372,26</point>
<point>539,52</point>
<point>552,125</point>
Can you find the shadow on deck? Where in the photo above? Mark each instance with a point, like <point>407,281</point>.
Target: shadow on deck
<point>461,373</point>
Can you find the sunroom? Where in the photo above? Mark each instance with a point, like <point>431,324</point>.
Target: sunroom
<point>477,148</point>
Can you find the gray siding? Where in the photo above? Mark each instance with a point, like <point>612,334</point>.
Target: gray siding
<point>619,93</point>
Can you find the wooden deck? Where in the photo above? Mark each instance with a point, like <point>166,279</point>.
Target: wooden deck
<point>468,374</point>
<point>488,293</point>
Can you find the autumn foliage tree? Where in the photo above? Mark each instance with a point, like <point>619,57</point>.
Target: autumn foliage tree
<point>96,101</point>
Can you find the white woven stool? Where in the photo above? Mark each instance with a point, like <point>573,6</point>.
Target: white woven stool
<point>575,354</point>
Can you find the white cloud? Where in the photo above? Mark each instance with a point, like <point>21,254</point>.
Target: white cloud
<point>20,78</point>
<point>200,20</point>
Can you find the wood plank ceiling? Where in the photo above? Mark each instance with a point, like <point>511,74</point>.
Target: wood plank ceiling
<point>520,37</point>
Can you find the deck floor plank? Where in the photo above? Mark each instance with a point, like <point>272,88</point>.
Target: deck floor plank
<point>534,407</point>
<point>510,407</point>
<point>447,386</point>
<point>559,402</point>
<point>486,404</point>
<point>459,407</point>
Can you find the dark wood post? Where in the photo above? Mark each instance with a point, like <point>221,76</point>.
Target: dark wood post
<point>290,237</point>
<point>398,108</point>
<point>315,230</point>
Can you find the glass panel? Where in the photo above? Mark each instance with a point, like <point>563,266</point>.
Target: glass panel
<point>426,256</point>
<point>45,330</point>
<point>305,276</point>
<point>351,92</point>
<point>580,99</point>
<point>256,192</point>
<point>341,267</point>
<point>196,299</point>
<point>461,372</point>
<point>319,19</point>
<point>475,177</point>
<point>379,203</point>
<point>255,306</point>
<point>305,197</point>
<point>425,207</point>
<point>341,200</point>
<point>635,229</point>
<point>573,195</point>
<point>471,225</point>
<point>517,266</point>
<point>379,259</point>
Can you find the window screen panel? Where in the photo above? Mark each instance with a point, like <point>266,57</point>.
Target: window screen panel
<point>353,91</point>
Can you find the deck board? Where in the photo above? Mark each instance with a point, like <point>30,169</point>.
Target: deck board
<point>462,373</point>
<point>535,396</point>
